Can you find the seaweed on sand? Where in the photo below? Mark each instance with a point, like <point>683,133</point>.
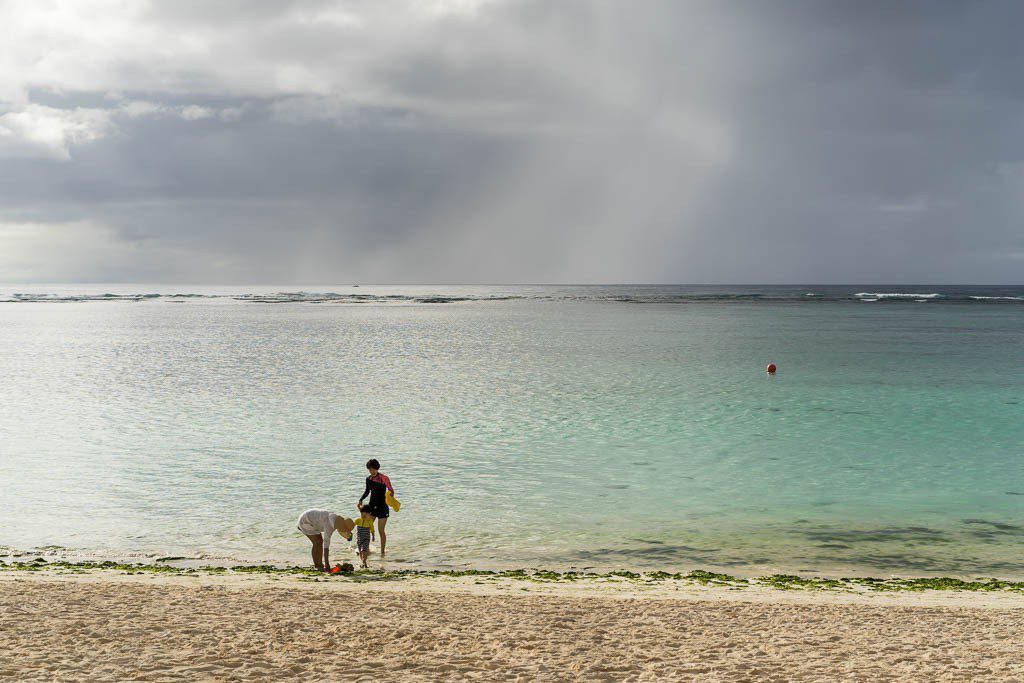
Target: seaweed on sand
<point>696,577</point>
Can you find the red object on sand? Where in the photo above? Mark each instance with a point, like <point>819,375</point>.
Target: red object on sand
<point>771,368</point>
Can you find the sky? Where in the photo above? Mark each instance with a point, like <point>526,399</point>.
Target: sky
<point>483,141</point>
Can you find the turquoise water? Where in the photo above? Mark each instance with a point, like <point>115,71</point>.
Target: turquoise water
<point>562,427</point>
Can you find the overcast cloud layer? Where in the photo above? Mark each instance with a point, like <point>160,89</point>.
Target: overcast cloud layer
<point>259,141</point>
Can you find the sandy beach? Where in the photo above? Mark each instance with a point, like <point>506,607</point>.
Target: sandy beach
<point>115,626</point>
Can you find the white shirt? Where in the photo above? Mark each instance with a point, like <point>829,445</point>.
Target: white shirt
<point>313,522</point>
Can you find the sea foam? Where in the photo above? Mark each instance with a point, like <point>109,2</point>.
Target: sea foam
<point>897,295</point>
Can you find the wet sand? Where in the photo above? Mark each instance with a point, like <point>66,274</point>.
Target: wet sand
<point>110,626</point>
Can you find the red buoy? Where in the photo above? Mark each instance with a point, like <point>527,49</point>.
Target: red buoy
<point>771,368</point>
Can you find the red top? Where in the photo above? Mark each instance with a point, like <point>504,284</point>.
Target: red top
<point>383,478</point>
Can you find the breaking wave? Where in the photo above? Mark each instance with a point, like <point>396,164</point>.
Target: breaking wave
<point>998,298</point>
<point>897,295</point>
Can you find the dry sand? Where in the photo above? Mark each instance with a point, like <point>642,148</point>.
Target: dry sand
<point>106,626</point>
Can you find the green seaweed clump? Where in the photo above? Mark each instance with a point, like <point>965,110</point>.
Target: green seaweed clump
<point>792,582</point>
<point>711,578</point>
<point>942,583</point>
<point>625,574</point>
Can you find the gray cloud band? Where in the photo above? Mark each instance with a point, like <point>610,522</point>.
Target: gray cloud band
<point>490,141</point>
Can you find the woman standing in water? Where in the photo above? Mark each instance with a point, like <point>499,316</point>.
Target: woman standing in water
<point>377,486</point>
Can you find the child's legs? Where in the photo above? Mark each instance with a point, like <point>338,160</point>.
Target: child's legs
<point>381,523</point>
<point>363,544</point>
<point>318,550</point>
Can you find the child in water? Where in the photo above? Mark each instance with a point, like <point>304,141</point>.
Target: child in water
<point>318,526</point>
<point>364,533</point>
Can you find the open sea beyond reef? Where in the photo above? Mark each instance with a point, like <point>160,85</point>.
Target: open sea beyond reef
<point>544,426</point>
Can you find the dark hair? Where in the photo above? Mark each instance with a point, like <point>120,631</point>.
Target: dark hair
<point>366,509</point>
<point>373,464</point>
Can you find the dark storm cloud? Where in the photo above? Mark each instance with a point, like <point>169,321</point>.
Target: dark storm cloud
<point>468,141</point>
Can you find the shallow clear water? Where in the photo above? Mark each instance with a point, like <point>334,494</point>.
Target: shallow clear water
<point>543,430</point>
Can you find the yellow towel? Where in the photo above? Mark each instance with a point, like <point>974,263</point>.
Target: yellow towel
<point>392,501</point>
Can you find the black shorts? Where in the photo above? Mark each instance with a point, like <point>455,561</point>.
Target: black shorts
<point>379,510</point>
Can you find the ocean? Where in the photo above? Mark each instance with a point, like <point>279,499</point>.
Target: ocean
<point>618,427</point>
